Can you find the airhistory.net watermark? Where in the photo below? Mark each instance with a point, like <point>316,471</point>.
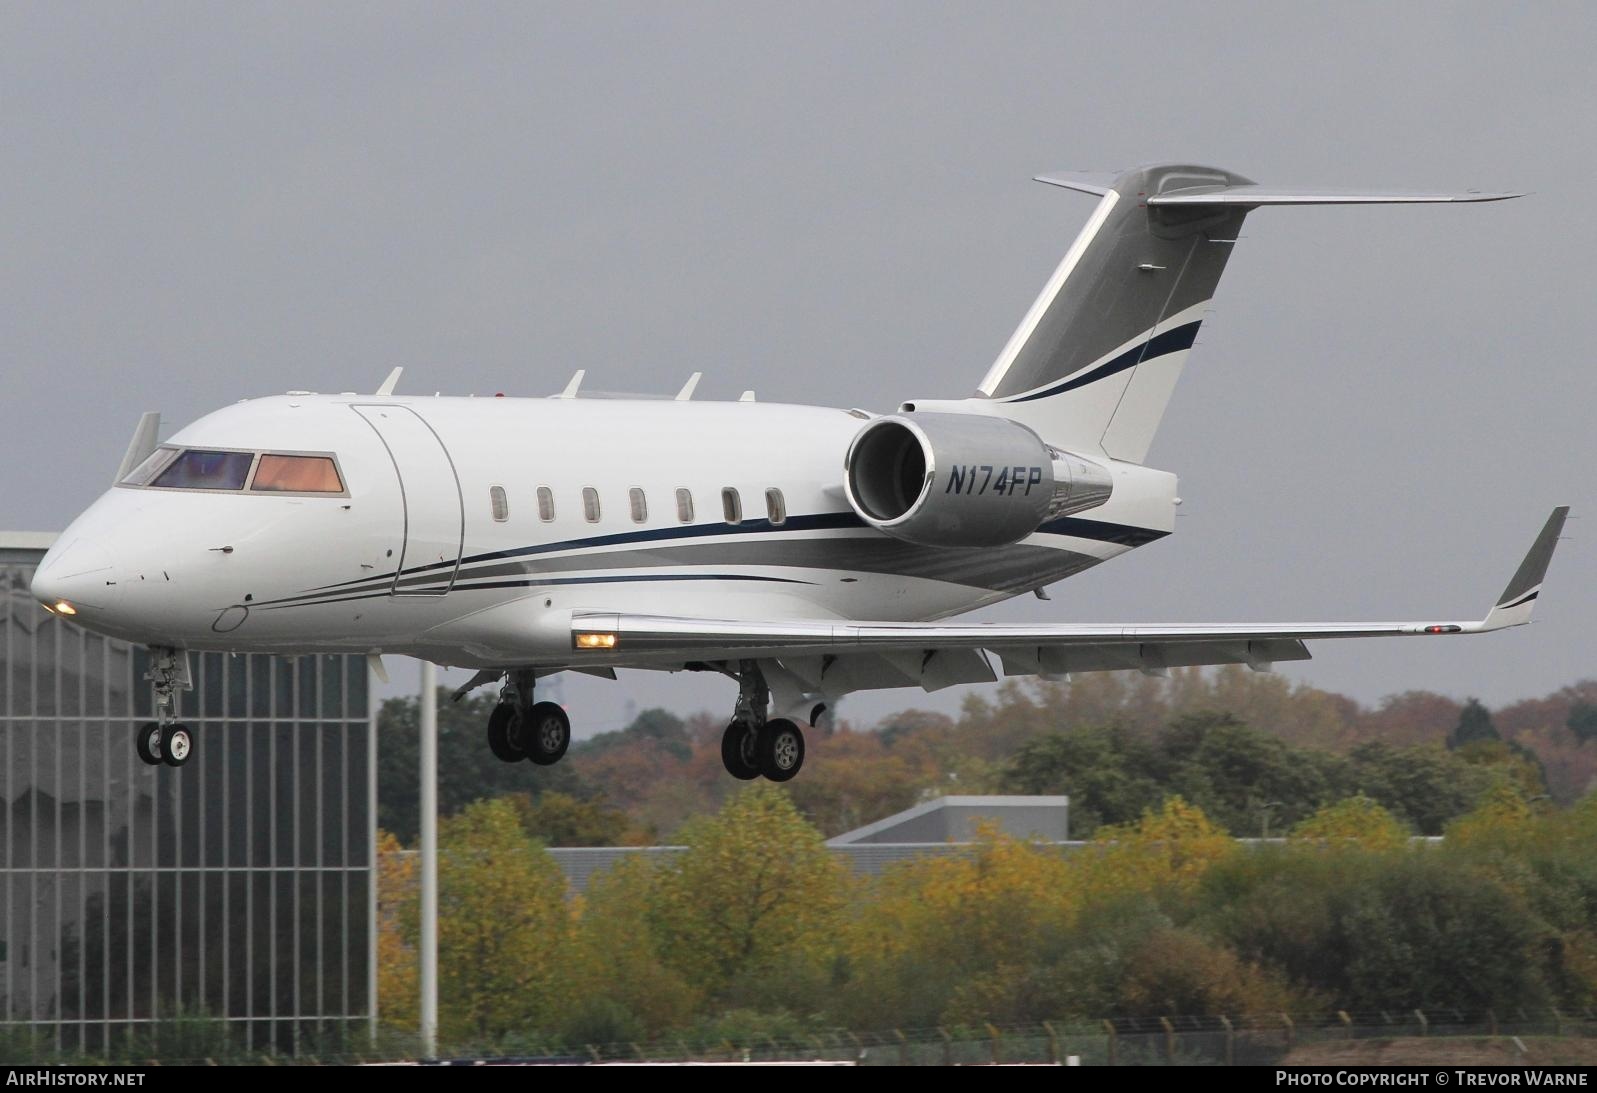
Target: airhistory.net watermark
<point>44,1076</point>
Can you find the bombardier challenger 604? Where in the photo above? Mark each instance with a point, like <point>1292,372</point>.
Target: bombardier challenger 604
<point>803,551</point>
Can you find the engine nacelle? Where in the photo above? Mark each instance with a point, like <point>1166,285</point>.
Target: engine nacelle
<point>964,480</point>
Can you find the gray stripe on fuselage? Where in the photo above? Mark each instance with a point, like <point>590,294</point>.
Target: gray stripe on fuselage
<point>1006,569</point>
<point>1015,568</point>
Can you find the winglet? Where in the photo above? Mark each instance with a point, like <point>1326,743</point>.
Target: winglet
<point>1518,600</point>
<point>388,385</point>
<point>688,388</point>
<point>574,385</point>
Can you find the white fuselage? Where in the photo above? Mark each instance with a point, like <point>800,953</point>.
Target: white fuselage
<point>414,559</point>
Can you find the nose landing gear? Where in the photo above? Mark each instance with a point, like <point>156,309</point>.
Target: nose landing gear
<point>169,744</point>
<point>520,728</point>
<point>164,740</point>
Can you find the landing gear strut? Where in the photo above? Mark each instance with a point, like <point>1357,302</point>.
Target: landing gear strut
<point>520,728</point>
<point>164,740</point>
<point>752,746</point>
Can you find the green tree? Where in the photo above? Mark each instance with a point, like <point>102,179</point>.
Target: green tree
<point>1110,776</point>
<point>1474,726</point>
<point>623,989</point>
<point>663,727</point>
<point>1426,785</point>
<point>1582,720</point>
<point>1244,778</point>
<point>1373,932</point>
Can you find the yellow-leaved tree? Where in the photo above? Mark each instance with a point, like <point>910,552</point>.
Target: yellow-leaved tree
<point>1165,851</point>
<point>1505,816</point>
<point>396,956</point>
<point>504,928</point>
<point>749,913</point>
<point>1352,821</point>
<point>936,928</point>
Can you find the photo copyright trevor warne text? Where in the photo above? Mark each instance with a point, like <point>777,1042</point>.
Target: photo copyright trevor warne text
<point>1433,1077</point>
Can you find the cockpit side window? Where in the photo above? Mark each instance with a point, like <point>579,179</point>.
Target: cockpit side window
<point>151,465</point>
<point>197,469</point>
<point>297,474</point>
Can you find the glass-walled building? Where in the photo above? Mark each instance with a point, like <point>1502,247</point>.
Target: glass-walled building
<point>237,887</point>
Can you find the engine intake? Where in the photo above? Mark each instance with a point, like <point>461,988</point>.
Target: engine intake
<point>964,480</point>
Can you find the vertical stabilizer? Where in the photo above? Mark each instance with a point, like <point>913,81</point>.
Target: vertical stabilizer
<point>1093,363</point>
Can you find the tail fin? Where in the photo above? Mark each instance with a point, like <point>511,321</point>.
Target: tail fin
<point>1093,364</point>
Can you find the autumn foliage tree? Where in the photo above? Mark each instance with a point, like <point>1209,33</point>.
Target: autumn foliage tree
<point>751,907</point>
<point>936,926</point>
<point>756,930</point>
<point>504,929</point>
<point>1356,821</point>
<point>397,998</point>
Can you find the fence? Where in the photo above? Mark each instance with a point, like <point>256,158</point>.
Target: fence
<point>1268,1039</point>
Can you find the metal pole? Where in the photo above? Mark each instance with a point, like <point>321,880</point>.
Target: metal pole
<point>373,705</point>
<point>429,859</point>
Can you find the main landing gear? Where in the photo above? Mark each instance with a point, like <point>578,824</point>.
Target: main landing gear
<point>164,740</point>
<point>520,728</point>
<point>751,746</point>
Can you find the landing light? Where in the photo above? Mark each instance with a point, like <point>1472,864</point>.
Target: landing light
<point>596,641</point>
<point>64,608</point>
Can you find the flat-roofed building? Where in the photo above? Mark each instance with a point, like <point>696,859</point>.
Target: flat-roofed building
<point>236,887</point>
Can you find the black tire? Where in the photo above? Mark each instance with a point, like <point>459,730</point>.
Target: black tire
<point>779,749</point>
<point>147,743</point>
<point>549,735</point>
<point>738,753</point>
<point>504,734</point>
<point>177,745</point>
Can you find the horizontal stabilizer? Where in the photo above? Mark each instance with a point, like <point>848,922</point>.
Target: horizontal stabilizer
<point>1078,181</point>
<point>1253,196</point>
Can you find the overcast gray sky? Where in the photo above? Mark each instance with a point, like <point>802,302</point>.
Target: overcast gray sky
<point>830,202</point>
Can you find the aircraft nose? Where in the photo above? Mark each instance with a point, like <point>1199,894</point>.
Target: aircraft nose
<point>74,575</point>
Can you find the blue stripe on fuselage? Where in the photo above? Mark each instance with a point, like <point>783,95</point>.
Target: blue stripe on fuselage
<point>1171,341</point>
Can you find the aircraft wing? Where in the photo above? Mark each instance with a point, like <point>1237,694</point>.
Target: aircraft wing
<point>936,654</point>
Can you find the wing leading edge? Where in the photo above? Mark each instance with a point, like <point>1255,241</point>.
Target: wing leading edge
<point>935,655</point>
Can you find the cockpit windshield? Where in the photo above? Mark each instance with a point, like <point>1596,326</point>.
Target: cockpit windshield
<point>248,472</point>
<point>201,470</point>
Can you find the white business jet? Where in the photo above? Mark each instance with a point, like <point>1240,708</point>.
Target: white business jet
<point>806,552</point>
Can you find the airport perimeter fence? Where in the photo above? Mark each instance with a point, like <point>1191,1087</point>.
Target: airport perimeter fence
<point>1259,1040</point>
